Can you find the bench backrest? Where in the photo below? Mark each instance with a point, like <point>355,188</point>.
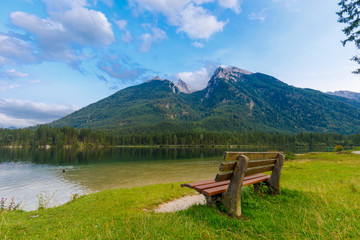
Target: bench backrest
<point>258,162</point>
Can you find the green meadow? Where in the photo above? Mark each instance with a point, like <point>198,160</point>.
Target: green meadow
<point>320,200</point>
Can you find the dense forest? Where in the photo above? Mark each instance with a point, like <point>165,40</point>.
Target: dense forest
<point>43,136</point>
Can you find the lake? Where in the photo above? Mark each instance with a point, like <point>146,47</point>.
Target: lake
<point>52,177</point>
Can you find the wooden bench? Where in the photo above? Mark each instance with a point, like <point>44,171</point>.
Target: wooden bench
<point>240,169</point>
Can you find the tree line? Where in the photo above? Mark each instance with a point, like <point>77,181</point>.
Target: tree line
<point>43,136</point>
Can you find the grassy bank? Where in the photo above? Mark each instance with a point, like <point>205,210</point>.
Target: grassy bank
<point>320,200</point>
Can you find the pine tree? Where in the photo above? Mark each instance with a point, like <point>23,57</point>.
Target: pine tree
<point>350,15</point>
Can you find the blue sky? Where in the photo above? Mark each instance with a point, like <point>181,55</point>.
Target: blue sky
<point>57,56</point>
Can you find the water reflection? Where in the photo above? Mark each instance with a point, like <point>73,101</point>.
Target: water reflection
<point>29,174</point>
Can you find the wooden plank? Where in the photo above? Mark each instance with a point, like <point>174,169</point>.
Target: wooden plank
<point>256,180</point>
<point>194,184</point>
<point>215,190</point>
<point>202,187</point>
<point>223,188</point>
<point>227,175</point>
<point>211,185</point>
<point>254,176</point>
<point>223,176</point>
<point>258,163</point>
<point>231,156</point>
<point>227,166</point>
<point>254,170</point>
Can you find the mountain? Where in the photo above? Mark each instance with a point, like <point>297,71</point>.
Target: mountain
<point>234,100</point>
<point>346,94</point>
<point>352,98</point>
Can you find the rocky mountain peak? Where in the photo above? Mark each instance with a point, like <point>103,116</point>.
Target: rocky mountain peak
<point>229,72</point>
<point>183,87</point>
<point>225,74</point>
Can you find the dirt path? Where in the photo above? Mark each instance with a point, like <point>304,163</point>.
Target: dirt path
<point>181,203</point>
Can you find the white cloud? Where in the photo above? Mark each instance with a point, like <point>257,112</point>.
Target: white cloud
<point>14,73</point>
<point>23,113</point>
<point>12,49</point>
<point>197,23</point>
<point>197,44</point>
<point>121,24</point>
<point>187,15</point>
<point>231,4</point>
<point>7,121</point>
<point>261,16</point>
<point>69,22</point>
<point>197,79</point>
<point>156,36</point>
<point>4,86</point>
<point>127,37</point>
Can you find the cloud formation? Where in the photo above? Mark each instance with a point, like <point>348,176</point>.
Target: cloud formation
<point>157,35</point>
<point>198,79</point>
<point>13,49</point>
<point>123,69</point>
<point>231,4</point>
<point>4,86</point>
<point>187,15</point>
<point>15,74</point>
<point>260,16</point>
<point>69,23</point>
<point>21,113</point>
<point>197,44</point>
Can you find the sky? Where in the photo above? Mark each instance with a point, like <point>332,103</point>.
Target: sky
<point>57,56</point>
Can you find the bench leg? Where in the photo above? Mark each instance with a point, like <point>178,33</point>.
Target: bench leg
<point>274,181</point>
<point>257,188</point>
<point>212,200</point>
<point>232,197</point>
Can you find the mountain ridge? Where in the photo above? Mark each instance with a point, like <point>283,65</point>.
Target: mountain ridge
<point>346,94</point>
<point>234,100</point>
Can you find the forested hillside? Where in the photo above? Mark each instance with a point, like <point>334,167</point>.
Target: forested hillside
<point>234,100</point>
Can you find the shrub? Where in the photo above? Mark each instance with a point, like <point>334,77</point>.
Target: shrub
<point>338,148</point>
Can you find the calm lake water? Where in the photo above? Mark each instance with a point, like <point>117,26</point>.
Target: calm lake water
<point>36,176</point>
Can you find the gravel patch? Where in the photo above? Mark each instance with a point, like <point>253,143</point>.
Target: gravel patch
<point>181,203</point>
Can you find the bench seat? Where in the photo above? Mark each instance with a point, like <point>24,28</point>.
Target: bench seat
<point>210,187</point>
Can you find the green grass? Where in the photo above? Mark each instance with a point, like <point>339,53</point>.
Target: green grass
<point>356,149</point>
<point>320,200</point>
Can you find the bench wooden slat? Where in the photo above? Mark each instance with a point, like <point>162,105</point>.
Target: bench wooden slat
<point>223,188</point>
<point>254,170</point>
<point>211,185</point>
<point>194,184</point>
<point>216,184</point>
<point>223,176</point>
<point>231,156</point>
<point>228,166</point>
<point>257,163</point>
